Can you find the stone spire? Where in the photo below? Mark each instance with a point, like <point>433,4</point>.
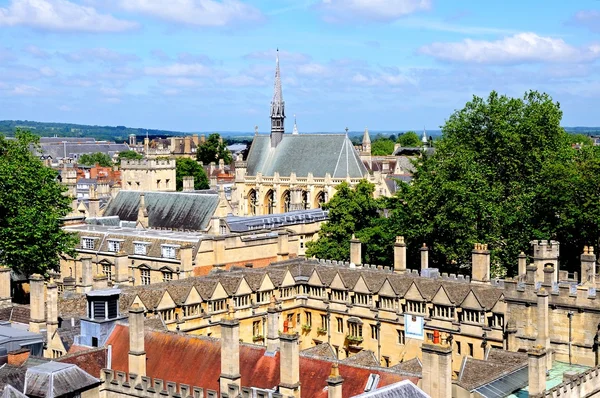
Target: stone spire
<point>424,137</point>
<point>366,141</point>
<point>277,109</point>
<point>295,131</point>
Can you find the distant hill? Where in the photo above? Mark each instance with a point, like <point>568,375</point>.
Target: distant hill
<point>121,133</point>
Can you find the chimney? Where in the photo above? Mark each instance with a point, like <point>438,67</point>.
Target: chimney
<point>548,275</point>
<point>424,257</point>
<point>100,282</point>
<point>51,312</point>
<point>93,203</point>
<point>137,353</point>
<point>537,371</point>
<point>543,329</point>
<point>355,251</point>
<point>114,190</point>
<point>334,382</point>
<point>230,379</point>
<point>221,165</point>
<point>437,368</point>
<point>588,266</point>
<point>400,255</point>
<point>531,273</point>
<point>86,275</point>
<point>211,168</point>
<point>5,292</point>
<point>480,263</point>
<point>522,260</point>
<point>186,255</point>
<point>188,183</point>
<point>272,326</point>
<point>283,252</point>
<point>289,364</point>
<point>18,357</point>
<point>143,212</point>
<point>385,166</point>
<point>121,274</point>
<point>37,322</point>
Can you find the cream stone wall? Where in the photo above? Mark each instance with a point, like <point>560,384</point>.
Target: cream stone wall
<point>148,175</point>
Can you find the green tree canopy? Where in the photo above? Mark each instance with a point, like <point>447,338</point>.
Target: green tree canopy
<point>382,146</point>
<point>213,150</point>
<point>95,158</point>
<point>189,167</point>
<point>410,139</point>
<point>580,139</point>
<point>32,202</point>
<point>129,155</point>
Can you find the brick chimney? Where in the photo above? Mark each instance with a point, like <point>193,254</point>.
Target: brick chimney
<point>272,326</point>
<point>437,368</point>
<point>230,378</point>
<point>289,364</point>
<point>480,265</point>
<point>18,357</point>
<point>588,266</point>
<point>37,320</point>
<point>334,382</point>
<point>355,251</point>
<point>5,292</point>
<point>51,312</point>
<point>424,257</point>
<point>137,353</point>
<point>399,255</point>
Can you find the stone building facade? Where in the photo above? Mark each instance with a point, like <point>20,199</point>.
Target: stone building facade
<point>148,175</point>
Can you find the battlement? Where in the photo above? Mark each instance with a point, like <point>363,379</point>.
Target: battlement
<point>145,164</point>
<point>132,385</point>
<point>584,384</point>
<point>545,249</point>
<point>566,292</point>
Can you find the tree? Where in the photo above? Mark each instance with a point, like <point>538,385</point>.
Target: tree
<point>213,150</point>
<point>580,139</point>
<point>351,211</point>
<point>129,155</point>
<point>410,139</point>
<point>382,147</point>
<point>189,167</point>
<point>32,202</point>
<point>99,158</point>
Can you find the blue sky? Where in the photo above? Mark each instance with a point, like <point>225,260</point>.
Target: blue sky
<point>208,65</point>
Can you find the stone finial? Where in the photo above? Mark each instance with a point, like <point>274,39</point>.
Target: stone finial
<point>399,239</point>
<point>272,302</point>
<point>335,370</point>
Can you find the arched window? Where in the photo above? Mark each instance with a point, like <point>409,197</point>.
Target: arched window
<point>305,200</point>
<point>270,202</point>
<point>252,201</point>
<point>321,199</point>
<point>285,202</point>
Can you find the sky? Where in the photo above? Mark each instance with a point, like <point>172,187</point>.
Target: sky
<point>208,65</point>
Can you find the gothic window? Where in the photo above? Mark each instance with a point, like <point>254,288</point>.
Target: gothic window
<point>305,200</point>
<point>321,199</point>
<point>252,202</point>
<point>270,202</point>
<point>285,200</point>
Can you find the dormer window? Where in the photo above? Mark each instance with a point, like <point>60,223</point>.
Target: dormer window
<point>414,307</point>
<point>361,299</point>
<point>140,248</point>
<point>114,245</point>
<point>168,251</point>
<point>87,243</point>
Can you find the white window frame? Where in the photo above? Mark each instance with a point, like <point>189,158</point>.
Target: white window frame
<point>140,248</point>
<point>85,243</point>
<point>145,277</point>
<point>170,249</point>
<point>114,245</point>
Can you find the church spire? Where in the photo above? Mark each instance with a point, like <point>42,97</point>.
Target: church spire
<point>366,141</point>
<point>277,108</point>
<point>424,137</point>
<point>295,131</point>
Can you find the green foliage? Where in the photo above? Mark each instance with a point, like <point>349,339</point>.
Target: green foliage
<point>95,158</point>
<point>410,139</point>
<point>580,139</point>
<point>31,205</point>
<point>382,147</point>
<point>189,167</point>
<point>129,155</point>
<point>212,150</point>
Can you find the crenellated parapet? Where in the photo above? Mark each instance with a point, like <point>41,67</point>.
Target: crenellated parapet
<point>143,164</point>
<point>585,384</point>
<point>122,384</point>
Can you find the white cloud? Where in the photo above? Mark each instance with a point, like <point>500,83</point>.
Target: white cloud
<point>37,52</point>
<point>180,82</point>
<point>519,48</point>
<point>242,81</point>
<point>96,54</point>
<point>196,12</point>
<point>587,18</point>
<point>25,90</point>
<point>60,15</point>
<point>374,10</point>
<point>47,71</point>
<point>382,79</point>
<point>284,56</point>
<point>179,70</point>
<point>314,69</point>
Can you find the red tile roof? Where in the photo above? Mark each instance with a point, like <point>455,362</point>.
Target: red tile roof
<point>196,361</point>
<point>90,360</point>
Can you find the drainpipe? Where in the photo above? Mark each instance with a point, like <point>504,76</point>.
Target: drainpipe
<point>328,326</point>
<point>570,316</point>
<point>378,325</point>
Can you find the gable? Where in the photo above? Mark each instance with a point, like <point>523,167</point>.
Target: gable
<point>166,301</point>
<point>314,279</point>
<point>266,284</point>
<point>500,306</point>
<point>361,286</point>
<point>471,302</point>
<point>243,288</point>
<point>193,297</point>
<point>337,283</point>
<point>219,292</point>
<point>387,289</point>
<point>137,300</point>
<point>413,293</point>
<point>288,280</point>
<point>441,297</point>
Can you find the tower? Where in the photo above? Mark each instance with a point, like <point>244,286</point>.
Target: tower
<point>277,109</point>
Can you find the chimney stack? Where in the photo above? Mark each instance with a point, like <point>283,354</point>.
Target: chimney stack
<point>18,357</point>
<point>93,203</point>
<point>51,312</point>
<point>522,261</point>
<point>86,275</point>
<point>437,368</point>
<point>334,382</point>
<point>37,322</point>
<point>548,275</point>
<point>137,353</point>
<point>424,257</point>
<point>230,379</point>
<point>143,212</point>
<point>100,282</point>
<point>400,255</point>
<point>289,364</point>
<point>588,266</point>
<point>480,263</point>
<point>537,371</point>
<point>531,274</point>
<point>5,292</point>
<point>283,252</point>
<point>543,328</point>
<point>272,326</point>
<point>355,251</point>
<point>188,183</point>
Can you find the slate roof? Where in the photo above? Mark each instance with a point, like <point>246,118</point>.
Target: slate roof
<point>247,223</point>
<point>170,210</point>
<point>18,313</point>
<point>11,392</point>
<point>323,351</point>
<point>91,360</point>
<point>167,351</point>
<point>318,154</point>
<point>412,366</point>
<point>54,379</point>
<point>12,376</point>
<point>363,358</point>
<point>73,149</point>
<point>499,363</point>
<point>402,389</point>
